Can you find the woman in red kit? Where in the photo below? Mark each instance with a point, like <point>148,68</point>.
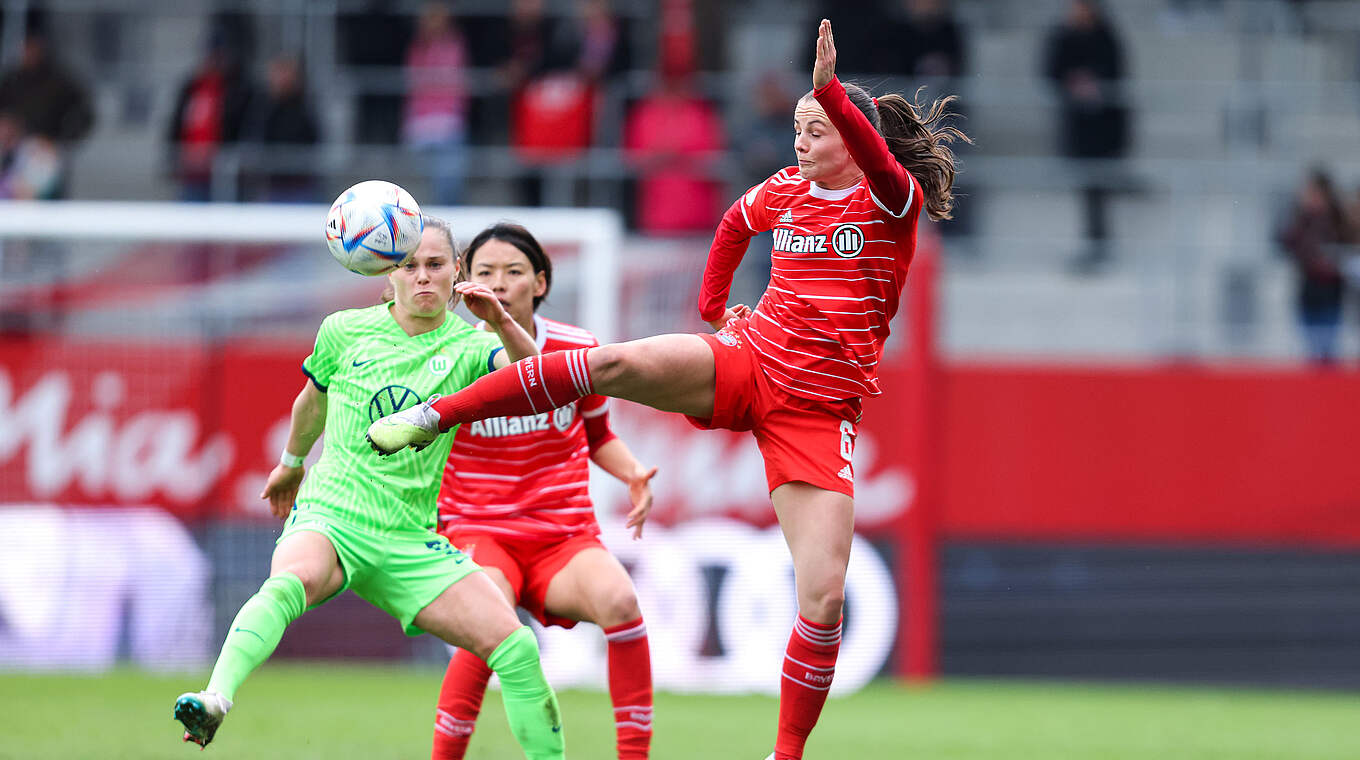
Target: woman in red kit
<point>516,498</point>
<point>792,370</point>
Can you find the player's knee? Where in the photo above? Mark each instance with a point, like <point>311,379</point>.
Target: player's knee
<point>619,605</point>
<point>825,601</point>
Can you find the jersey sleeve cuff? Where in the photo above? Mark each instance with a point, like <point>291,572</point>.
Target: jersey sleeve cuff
<point>828,87</point>
<point>491,359</point>
<point>319,385</point>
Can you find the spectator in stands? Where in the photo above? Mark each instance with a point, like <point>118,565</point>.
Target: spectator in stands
<point>928,42</point>
<point>436,101</point>
<point>554,71</point>
<point>30,165</point>
<point>1313,237</point>
<point>375,41</point>
<point>672,137</point>
<point>1084,60</point>
<point>767,134</point>
<point>209,113</point>
<point>282,117</point>
<point>51,106</point>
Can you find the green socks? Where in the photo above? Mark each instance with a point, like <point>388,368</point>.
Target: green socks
<point>257,629</point>
<point>530,704</point>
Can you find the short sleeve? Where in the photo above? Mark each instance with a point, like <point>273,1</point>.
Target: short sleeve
<point>320,366</point>
<point>754,211</point>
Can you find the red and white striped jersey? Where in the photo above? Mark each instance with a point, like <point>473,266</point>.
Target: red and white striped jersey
<point>529,476</point>
<point>839,263</point>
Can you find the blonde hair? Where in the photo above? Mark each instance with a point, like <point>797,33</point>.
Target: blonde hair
<point>389,293</point>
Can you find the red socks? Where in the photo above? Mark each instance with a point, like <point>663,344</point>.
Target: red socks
<point>531,386</point>
<point>460,699</point>
<point>809,664</point>
<point>630,688</point>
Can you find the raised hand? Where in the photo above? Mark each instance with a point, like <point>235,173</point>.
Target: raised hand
<point>824,69</point>
<point>481,302</point>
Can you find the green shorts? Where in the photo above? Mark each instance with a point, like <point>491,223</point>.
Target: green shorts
<point>398,572</point>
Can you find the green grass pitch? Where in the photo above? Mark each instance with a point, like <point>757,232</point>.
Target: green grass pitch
<point>330,710</point>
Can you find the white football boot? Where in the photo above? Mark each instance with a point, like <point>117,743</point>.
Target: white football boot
<point>201,712</point>
<point>416,427</point>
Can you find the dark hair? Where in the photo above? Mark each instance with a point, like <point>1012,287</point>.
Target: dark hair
<point>1336,214</point>
<point>918,137</point>
<point>521,238</point>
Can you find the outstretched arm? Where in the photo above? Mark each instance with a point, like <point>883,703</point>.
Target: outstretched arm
<point>308,420</point>
<point>886,177</point>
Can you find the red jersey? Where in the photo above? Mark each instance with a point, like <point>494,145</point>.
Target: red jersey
<point>838,264</point>
<point>527,476</point>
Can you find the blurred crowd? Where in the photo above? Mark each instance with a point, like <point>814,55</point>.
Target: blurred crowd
<point>532,79</point>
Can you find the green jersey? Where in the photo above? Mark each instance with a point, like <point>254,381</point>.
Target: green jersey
<point>368,367</point>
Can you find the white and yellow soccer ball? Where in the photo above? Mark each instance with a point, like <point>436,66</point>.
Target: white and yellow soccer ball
<point>373,227</point>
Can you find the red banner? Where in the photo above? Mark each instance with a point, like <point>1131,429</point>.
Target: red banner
<point>1177,453</point>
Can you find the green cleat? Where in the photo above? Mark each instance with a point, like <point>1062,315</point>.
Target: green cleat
<point>201,712</point>
<point>416,427</point>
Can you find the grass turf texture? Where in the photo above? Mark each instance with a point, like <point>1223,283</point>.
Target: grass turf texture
<point>328,710</point>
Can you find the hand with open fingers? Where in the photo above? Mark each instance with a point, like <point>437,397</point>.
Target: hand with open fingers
<point>824,69</point>
<point>482,302</point>
<point>640,493</point>
<point>736,311</point>
<point>281,489</point>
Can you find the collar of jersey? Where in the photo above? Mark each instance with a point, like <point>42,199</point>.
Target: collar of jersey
<point>817,191</point>
<point>395,326</point>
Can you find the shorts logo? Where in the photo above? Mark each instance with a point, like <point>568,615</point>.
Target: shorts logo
<point>439,366</point>
<point>563,417</point>
<point>728,338</point>
<point>393,398</point>
<point>847,241</point>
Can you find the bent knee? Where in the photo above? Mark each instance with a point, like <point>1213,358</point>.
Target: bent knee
<point>617,607</point>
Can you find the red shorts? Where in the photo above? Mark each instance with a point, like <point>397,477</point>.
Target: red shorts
<point>801,439</point>
<point>529,564</point>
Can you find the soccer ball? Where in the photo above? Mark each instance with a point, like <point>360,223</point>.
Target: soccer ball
<point>373,227</point>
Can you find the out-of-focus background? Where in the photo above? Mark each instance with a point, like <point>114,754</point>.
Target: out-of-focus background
<point>1115,440</point>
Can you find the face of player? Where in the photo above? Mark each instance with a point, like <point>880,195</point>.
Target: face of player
<point>424,284</point>
<point>822,157</point>
<point>510,275</point>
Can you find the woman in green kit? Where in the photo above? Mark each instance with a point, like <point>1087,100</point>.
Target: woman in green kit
<point>363,523</point>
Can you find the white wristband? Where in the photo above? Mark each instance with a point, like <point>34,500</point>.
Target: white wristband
<point>290,460</point>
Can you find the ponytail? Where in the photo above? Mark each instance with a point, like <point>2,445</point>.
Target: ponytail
<point>920,143</point>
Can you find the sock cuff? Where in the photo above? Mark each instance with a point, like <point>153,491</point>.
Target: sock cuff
<point>517,648</point>
<point>630,631</point>
<point>578,365</point>
<point>819,634</point>
<point>287,590</point>
<point>469,661</point>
